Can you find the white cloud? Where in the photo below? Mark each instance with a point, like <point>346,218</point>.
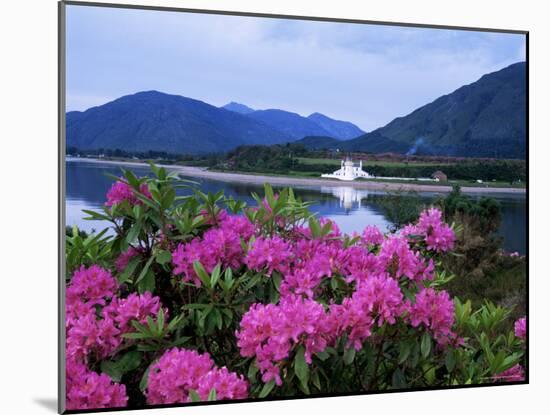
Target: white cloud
<point>362,73</point>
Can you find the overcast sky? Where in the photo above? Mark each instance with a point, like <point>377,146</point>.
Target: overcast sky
<point>366,74</point>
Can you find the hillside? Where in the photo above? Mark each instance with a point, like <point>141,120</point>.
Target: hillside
<point>482,119</point>
<point>319,143</point>
<point>288,123</point>
<point>238,108</point>
<point>156,121</point>
<point>295,125</point>
<point>342,130</point>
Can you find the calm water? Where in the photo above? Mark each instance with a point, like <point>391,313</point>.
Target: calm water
<point>352,209</point>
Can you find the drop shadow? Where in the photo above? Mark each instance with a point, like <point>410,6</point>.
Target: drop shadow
<point>48,403</point>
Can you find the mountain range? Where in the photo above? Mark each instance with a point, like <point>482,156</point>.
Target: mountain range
<point>153,120</point>
<point>486,118</point>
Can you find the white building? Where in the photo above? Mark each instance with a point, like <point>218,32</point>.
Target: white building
<point>349,197</point>
<point>348,171</point>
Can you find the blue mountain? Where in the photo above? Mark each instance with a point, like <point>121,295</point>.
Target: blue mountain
<point>238,108</point>
<point>342,130</point>
<point>157,121</point>
<point>289,123</point>
<point>297,126</point>
<point>486,118</point>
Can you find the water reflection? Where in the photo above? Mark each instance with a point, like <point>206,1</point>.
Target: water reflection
<point>352,209</point>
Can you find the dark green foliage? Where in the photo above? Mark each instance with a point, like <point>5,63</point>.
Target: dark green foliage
<point>399,207</point>
<point>483,270</point>
<point>275,159</point>
<point>499,170</point>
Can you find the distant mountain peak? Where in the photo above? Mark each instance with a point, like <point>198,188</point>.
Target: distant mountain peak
<point>238,108</point>
<point>153,120</point>
<point>342,130</point>
<point>486,118</point>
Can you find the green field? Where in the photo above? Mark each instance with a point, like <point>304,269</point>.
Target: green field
<point>336,162</point>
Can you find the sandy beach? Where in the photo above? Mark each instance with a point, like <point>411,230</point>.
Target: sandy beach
<point>201,172</point>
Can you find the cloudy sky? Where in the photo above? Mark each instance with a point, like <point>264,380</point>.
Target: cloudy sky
<point>366,74</point>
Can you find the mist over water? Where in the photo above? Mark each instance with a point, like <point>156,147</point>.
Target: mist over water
<point>352,209</point>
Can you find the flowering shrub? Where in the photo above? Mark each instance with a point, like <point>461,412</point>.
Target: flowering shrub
<point>202,298</point>
<point>179,373</point>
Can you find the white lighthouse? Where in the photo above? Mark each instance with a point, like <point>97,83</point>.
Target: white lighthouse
<point>348,171</point>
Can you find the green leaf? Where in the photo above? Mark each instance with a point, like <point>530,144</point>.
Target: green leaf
<point>252,371</point>
<point>116,369</point>
<point>133,233</point>
<point>217,317</point>
<point>315,380</point>
<point>212,395</point>
<point>450,360</point>
<point>404,352</point>
<point>268,387</point>
<point>349,356</point>
<point>129,270</point>
<point>147,283</point>
<point>163,257</point>
<point>135,336</point>
<point>398,380</point>
<point>131,177</point>
<point>315,227</point>
<point>145,269</point>
<point>194,396</point>
<point>301,367</point>
<point>426,345</point>
<point>201,273</point>
<point>215,276</point>
<point>95,215</point>
<point>144,379</point>
<point>269,195</point>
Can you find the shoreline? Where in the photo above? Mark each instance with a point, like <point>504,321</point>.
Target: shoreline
<point>260,179</point>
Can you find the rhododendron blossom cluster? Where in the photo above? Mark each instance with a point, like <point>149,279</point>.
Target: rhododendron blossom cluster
<point>90,390</point>
<point>438,236</point>
<point>218,245</point>
<point>123,259</point>
<point>514,374</point>
<point>91,335</point>
<point>269,332</point>
<point>520,328</point>
<point>200,298</point>
<point>121,191</point>
<point>178,371</point>
<point>435,311</point>
<point>377,300</point>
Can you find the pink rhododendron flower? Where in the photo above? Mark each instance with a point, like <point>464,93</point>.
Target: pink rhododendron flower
<point>178,371</point>
<point>435,310</point>
<point>520,328</point>
<point>397,259</point>
<point>135,307</point>
<point>88,333</point>
<point>438,235</point>
<point>217,246</point>
<point>121,191</point>
<point>91,285</point>
<point>372,236</point>
<point>269,254</point>
<point>239,225</point>
<point>514,374</point>
<point>376,300</point>
<point>89,390</point>
<point>359,264</point>
<point>270,331</point>
<point>124,258</point>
